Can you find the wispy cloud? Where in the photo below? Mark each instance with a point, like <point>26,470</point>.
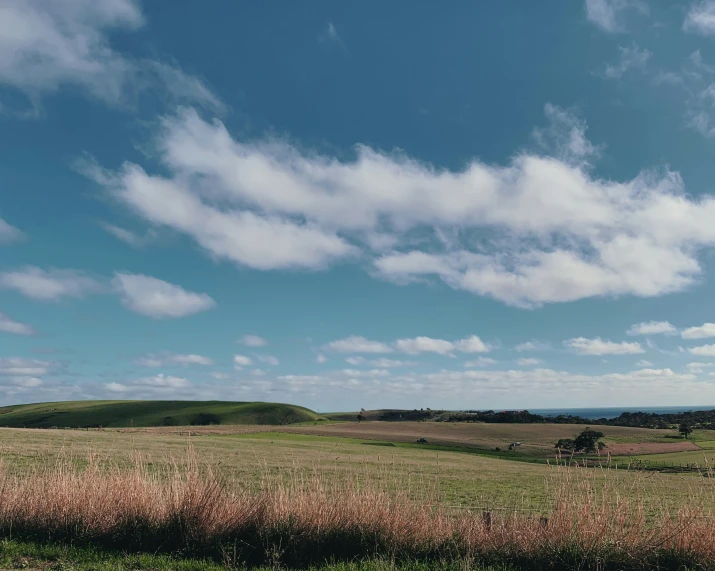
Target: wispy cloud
<point>700,18</point>
<point>49,285</point>
<point>608,15</point>
<point>9,233</point>
<point>598,346</point>
<point>9,325</point>
<point>330,36</point>
<point>631,57</point>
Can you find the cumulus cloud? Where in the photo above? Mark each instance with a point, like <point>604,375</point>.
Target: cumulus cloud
<point>268,359</point>
<point>698,367</point>
<point>242,361</point>
<point>644,363</point>
<point>253,341</point>
<point>472,344</point>
<point>630,57</point>
<point>598,346</point>
<point>8,233</point>
<point>357,344</point>
<point>652,328</point>
<point>9,325</point>
<point>320,359</point>
<point>528,362</point>
<point>50,45</point>
<point>703,351</point>
<point>700,18</point>
<point>158,299</point>
<point>608,14</point>
<point>702,332</point>
<point>166,358</point>
<point>147,386</point>
<point>551,231</point>
<point>49,285</point>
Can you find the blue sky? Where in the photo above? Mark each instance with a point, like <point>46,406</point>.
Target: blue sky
<point>346,205</point>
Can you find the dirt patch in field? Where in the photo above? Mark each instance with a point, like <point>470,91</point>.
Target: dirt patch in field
<point>633,448</point>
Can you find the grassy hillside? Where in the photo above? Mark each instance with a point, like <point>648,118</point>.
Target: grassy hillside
<point>150,413</point>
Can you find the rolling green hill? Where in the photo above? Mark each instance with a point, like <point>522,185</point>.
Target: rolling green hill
<point>115,414</point>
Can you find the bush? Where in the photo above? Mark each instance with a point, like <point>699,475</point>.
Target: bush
<point>205,419</point>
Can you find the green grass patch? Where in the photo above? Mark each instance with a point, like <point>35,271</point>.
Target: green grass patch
<point>120,414</point>
<point>59,557</point>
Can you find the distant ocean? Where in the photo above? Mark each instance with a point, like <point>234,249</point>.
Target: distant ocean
<point>615,411</point>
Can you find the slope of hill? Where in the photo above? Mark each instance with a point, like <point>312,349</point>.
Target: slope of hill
<point>150,413</point>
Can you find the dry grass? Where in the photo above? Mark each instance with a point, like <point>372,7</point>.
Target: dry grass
<point>188,508</point>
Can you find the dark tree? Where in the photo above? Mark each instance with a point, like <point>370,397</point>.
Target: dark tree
<point>588,440</point>
<point>565,444</point>
<point>685,430</point>
<point>205,419</point>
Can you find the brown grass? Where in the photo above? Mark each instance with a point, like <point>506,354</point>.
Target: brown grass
<point>536,439</point>
<point>189,509</point>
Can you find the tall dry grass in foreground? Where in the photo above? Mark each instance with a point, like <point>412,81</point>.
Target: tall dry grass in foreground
<point>189,510</point>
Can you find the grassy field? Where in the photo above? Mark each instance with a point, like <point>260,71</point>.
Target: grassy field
<point>454,478</point>
<point>44,557</point>
<point>150,413</point>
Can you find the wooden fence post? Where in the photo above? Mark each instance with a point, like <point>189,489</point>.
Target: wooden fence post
<point>487,518</point>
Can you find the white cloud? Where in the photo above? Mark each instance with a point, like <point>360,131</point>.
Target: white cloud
<point>472,344</point>
<point>127,236</point>
<point>253,341</point>
<point>357,344</point>
<point>158,299</point>
<point>698,367</point>
<point>480,362</point>
<point>705,330</point>
<point>268,360</point>
<point>532,346</point>
<point>146,386</point>
<point>354,361</point>
<point>644,363</point>
<point>9,325</point>
<point>116,387</point>
<point>390,363</point>
<point>703,351</point>
<point>652,328</point>
<point>597,346</point>
<point>565,137</point>
<point>366,373</point>
<point>424,345</point>
<point>528,362</point>
<point>701,18</point>
<point>49,45</point>
<point>320,359</point>
<point>21,367</point>
<point>49,285</point>
<point>553,232</point>
<point>607,14</point>
<point>242,361</point>
<point>631,57</point>
<point>330,35</point>
<point>163,381</point>
<point>164,359</point>
<point>8,233</point>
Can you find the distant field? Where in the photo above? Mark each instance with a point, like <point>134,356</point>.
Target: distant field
<point>75,414</point>
<point>536,439</point>
<point>450,478</point>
